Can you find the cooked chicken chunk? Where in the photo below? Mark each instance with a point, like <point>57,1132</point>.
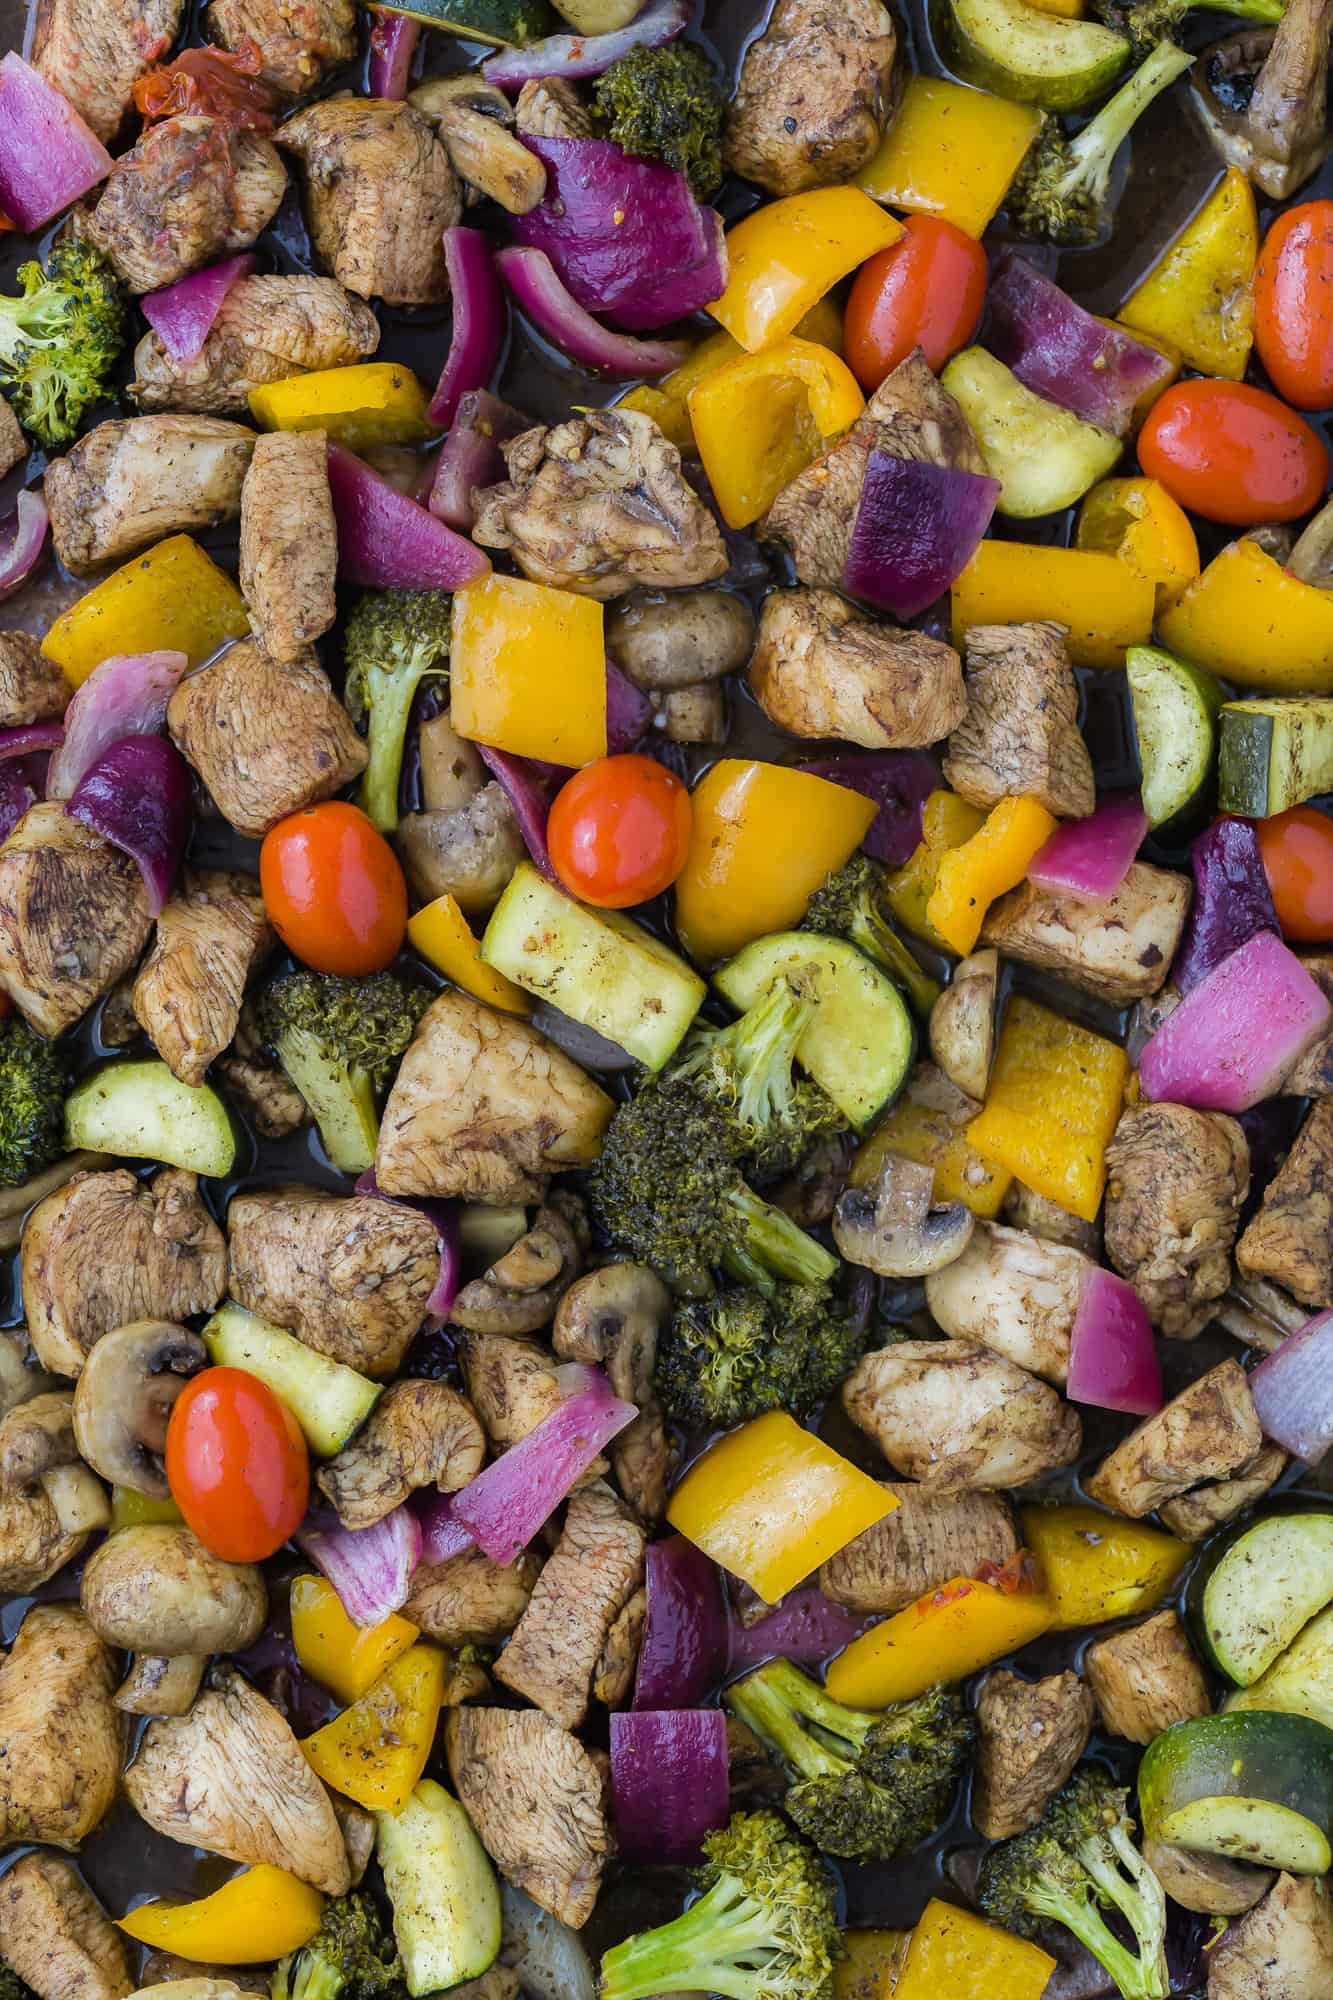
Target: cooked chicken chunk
<point>812,96</point>
<point>106,1249</point>
<point>192,190</point>
<point>597,505</point>
<point>267,329</point>
<point>474,118</point>
<point>289,542</point>
<point>820,670</point>
<point>551,108</point>
<point>1274,127</point>
<point>1177,1179</point>
<point>166,1970</point>
<point>1194,1515</point>
<point>95,51</point>
<point>32,688</point>
<point>957,1416</point>
<point>1283,1950</point>
<point>126,484</point>
<point>469,853</point>
<point>50,1501</point>
<point>470,1600</point>
<point>1020,736</point>
<point>188,996</point>
<point>55,1934</point>
<point>1030,1735</point>
<point>13,443</point>
<point>379,194</point>
<point>512,1384</point>
<point>614,1679</point>
<point>420,1433</point>
<point>1023,1208</point>
<point>929,1538</point>
<point>1118,950</point>
<point>1290,1240</point>
<point>537,1799</point>
<point>1206,1432</point>
<point>553,1656</point>
<point>274,1106</point>
<point>231,1778</point>
<point>73,916</point>
<point>1146,1678</point>
<point>266,739</point>
<point>60,1737</point>
<point>297,40</point>
<point>612,1318</point>
<point>348,1275</point>
<point>1014,1293</point>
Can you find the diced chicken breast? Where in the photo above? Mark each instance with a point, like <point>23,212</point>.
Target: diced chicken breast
<point>190,191</point>
<point>812,96</point>
<point>820,670</point>
<point>297,43</point>
<point>1290,1240</point>
<point>55,1934</point>
<point>1030,1735</point>
<point>126,484</point>
<point>1020,736</point>
<point>1014,1293</point>
<point>32,688</point>
<point>188,996</point>
<point>267,329</point>
<point>289,542</point>
<point>1208,1431</point>
<point>1146,1678</point>
<point>1119,950</point>
<point>95,51</point>
<point>1177,1179</point>
<point>73,916</point>
<point>926,1540</point>
<point>956,1416</point>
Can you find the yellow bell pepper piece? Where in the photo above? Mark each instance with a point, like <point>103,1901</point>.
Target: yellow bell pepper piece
<point>1097,1566</point>
<point>528,670</point>
<point>946,821</point>
<point>1199,295</point>
<point>951,151</point>
<point>762,418</point>
<point>345,1658</point>
<point>1254,623</point>
<point>262,1914</point>
<point>136,1510</point>
<point>174,599</point>
<point>996,858</point>
<point>1138,522</point>
<point>790,254</point>
<point>667,401</point>
<point>957,1956</point>
<point>1068,10</point>
<point>373,402</point>
<point>944,1636</point>
<point>375,1751</point>
<point>763,839</point>
<point>1102,602</point>
<point>871,1964</point>
<point>444,937</point>
<point>1055,1098</point>
<point>928,1123</point>
<point>770,1502</point>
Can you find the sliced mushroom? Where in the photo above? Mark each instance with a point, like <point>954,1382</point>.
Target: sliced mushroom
<point>1207,1882</point>
<point>891,1228</point>
<point>614,1317</point>
<point>1262,95</point>
<point>962,1023</point>
<point>156,1685</point>
<point>669,639</point>
<point>50,1502</point>
<point>473,120</point>
<point>1312,557</point>
<point>522,1288</point>
<point>125,1396</point>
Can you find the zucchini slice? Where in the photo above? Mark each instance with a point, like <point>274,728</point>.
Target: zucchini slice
<point>1045,458</point>
<point>1265,1586</point>
<point>140,1111</point>
<point>440,1881</point>
<point>503,23</point>
<point>1300,1681</point>
<point>1018,52</point>
<point>1256,1787</point>
<point>1274,753</point>
<point>1175,719</point>
<point>328,1400</point>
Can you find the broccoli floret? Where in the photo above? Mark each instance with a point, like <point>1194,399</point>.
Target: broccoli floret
<point>666,104</point>
<point>866,1786</point>
<point>60,340</point>
<point>394,639</point>
<point>732,1357</point>
<point>1148,22</point>
<point>340,1042</point>
<point>1079,1856</point>
<point>763,1929</point>
<point>747,1070</point>
<point>34,1081</point>
<point>850,905</point>
<point>1062,187</point>
<point>14,1988</point>
<point>352,1957</point>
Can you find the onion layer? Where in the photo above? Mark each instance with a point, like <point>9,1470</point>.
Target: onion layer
<point>137,796</point>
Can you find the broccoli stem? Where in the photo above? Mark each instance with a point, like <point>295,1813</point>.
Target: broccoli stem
<point>870,934</point>
<point>1141,1901</point>
<point>698,1951</point>
<point>1092,151</point>
<point>1080,1915</point>
<point>342,1102</point>
<point>775,1242</point>
<point>389,700</point>
<point>776,1720</point>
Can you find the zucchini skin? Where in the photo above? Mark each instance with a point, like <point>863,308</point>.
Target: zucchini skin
<point>1291,1510</point>
<point>1274,1759</point>
<point>503,23</point>
<point>1244,758</point>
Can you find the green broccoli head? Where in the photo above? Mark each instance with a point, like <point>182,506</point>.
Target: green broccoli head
<point>851,905</point>
<point>14,1988</point>
<point>352,1957</point>
<point>666,104</point>
<point>764,1927</point>
<point>340,1042</point>
<point>60,340</point>
<point>394,639</point>
<point>732,1357</point>
<point>1147,22</point>
<point>34,1081</point>
<point>747,1069</point>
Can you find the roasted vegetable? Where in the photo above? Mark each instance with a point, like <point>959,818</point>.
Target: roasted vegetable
<point>394,639</point>
<point>34,1077</point>
<point>340,1041</point>
<point>353,1957</point>
<point>746,1070</point>
<point>740,1353</point>
<point>851,905</point>
<point>60,340</point>
<point>666,104</point>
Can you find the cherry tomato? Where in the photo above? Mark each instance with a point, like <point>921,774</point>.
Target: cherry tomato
<point>1296,849</point>
<point>1293,305</point>
<point>1233,453</point>
<point>619,831</point>
<point>237,1464</point>
<point>333,889</point>
<point>925,291</point>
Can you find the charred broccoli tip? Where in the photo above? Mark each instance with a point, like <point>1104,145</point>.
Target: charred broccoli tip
<point>352,1957</point>
<point>394,639</point>
<point>340,1042</point>
<point>747,1067</point>
<point>60,340</point>
<point>727,1359</point>
<point>850,905</point>
<point>34,1081</point>
<point>666,104</point>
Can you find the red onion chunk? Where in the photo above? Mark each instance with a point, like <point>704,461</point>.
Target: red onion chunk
<point>683,1653</point>
<point>555,312</point>
<point>511,1498</point>
<point>1089,858</point>
<point>30,738</point>
<point>137,796</point>
<point>22,539</point>
<point>917,527</point>
<point>18,791</point>
<point>370,1568</point>
<point>628,712</point>
<point>48,156</point>
<point>587,55</point>
<point>683,292</point>
<point>529,793</point>
<point>443,1216</point>
<point>806,1628</point>
<point>387,541</point>
<point>1058,350</point>
<point>1112,1356</point>
<point>479,325</point>
<point>182,315</point>
<point>393,46</point>
<point>1293,1391</point>
<point>1232,900</point>
<point>126,695</point>
<point>470,456</point>
<point>1235,1036</point>
<point>899,781</point>
<point>442,1537</point>
<point>669,1781</point>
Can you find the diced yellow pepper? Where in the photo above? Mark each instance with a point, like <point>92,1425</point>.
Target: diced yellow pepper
<point>667,401</point>
<point>136,1510</point>
<point>345,1658</point>
<point>946,821</point>
<point>443,935</point>
<point>944,1636</point>
<point>957,1956</point>
<point>764,837</point>
<point>1068,10</point>
<point>1254,623</point>
<point>173,599</point>
<point>372,402</point>
<point>262,1914</point>
<point>1055,1098</point>
<point>528,670</point>
<point>1097,1566</point>
<point>770,1502</point>
<point>870,1965</point>
<point>951,151</point>
<point>789,254</point>
<point>762,418</point>
<point>995,859</point>
<point>1101,601</point>
<point>928,1123</point>
<point>1138,522</point>
<point>375,1751</point>
<point>1199,296</point>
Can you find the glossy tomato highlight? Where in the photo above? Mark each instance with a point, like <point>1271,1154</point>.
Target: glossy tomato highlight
<point>1233,453</point>
<point>924,291</point>
<point>333,889</point>
<point>1293,305</point>
<point>237,1464</point>
<point>619,831</point>
<point>1296,849</point>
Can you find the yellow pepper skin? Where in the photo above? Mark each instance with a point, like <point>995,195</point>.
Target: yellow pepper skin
<point>1105,606</point>
<point>444,937</point>
<point>345,1658</point>
<point>764,838</point>
<point>1097,1566</point>
<point>1199,296</point>
<point>1055,1098</point>
<point>770,1502</point>
<point>762,418</point>
<point>262,1914</point>
<point>951,151</point>
<point>928,1123</point>
<point>946,821</point>
<point>528,670</point>
<point>870,1965</point>
<point>667,401</point>
<point>1138,522</point>
<point>790,254</point>
<point>174,599</point>
<point>944,1636</point>
<point>376,1750</point>
<point>957,1956</point>
<point>136,1510</point>
<point>1254,623</point>
<point>373,402</point>
<point>996,858</point>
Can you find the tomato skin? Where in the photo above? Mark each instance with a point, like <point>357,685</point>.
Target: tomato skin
<point>1233,453</point>
<point>925,291</point>
<point>237,1464</point>
<point>333,889</point>
<point>1293,305</point>
<point>1296,848</point>
<point>619,831</point>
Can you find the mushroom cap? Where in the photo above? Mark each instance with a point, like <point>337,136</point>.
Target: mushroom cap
<point>892,1229</point>
<point>157,1589</point>
<point>616,1306</point>
<point>124,1399</point>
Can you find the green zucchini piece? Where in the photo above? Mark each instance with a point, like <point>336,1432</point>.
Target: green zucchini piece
<point>1300,1681</point>
<point>440,1881</point>
<point>1175,719</point>
<point>1274,753</point>
<point>1256,1787</point>
<point>1045,458</point>
<point>859,1043</point>
<point>1268,1583</point>
<point>140,1111</point>
<point>328,1400</point>
<point>1016,51</point>
<point>503,23</point>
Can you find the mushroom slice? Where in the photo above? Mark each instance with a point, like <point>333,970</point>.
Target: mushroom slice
<point>891,1228</point>
<point>521,1289</point>
<point>962,1023</point>
<point>124,1399</point>
<point>1311,557</point>
<point>472,119</point>
<point>614,1317</point>
<point>156,1685</point>
<point>420,1433</point>
<point>49,1500</point>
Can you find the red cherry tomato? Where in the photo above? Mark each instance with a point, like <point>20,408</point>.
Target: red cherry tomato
<point>237,1464</point>
<point>619,831</point>
<point>333,889</point>
<point>1233,453</point>
<point>1293,305</point>
<point>1296,849</point>
<point>925,291</point>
